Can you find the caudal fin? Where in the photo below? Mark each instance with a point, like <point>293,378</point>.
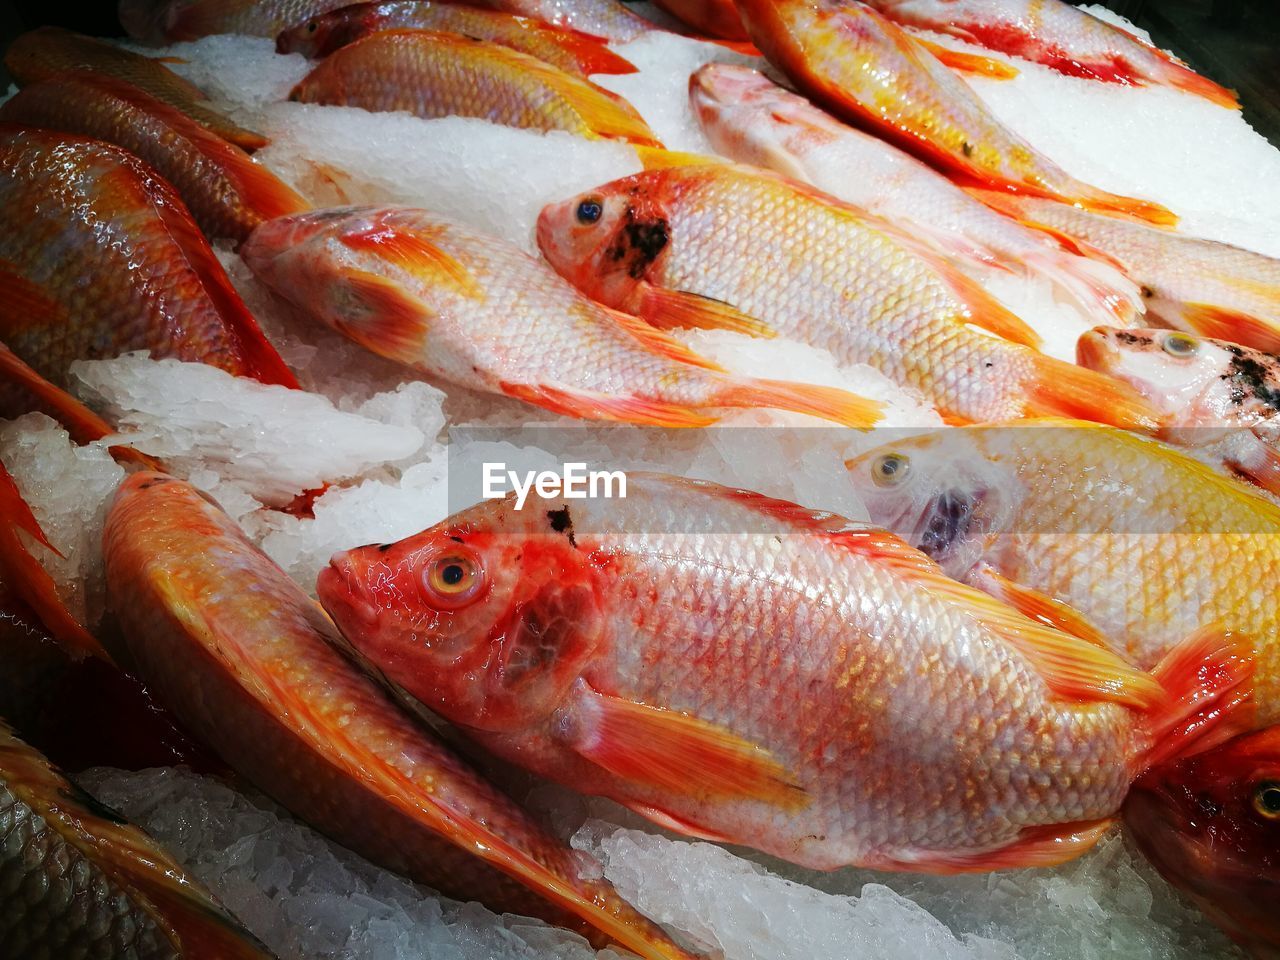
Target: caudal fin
<point>1209,681</point>
<point>1065,390</point>
<point>826,403</point>
<point>1099,289</point>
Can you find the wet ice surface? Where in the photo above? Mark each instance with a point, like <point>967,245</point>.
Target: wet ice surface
<point>312,900</point>
<point>382,446</point>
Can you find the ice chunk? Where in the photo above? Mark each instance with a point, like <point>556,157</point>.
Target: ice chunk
<point>67,488</point>
<point>491,177</point>
<point>272,441</point>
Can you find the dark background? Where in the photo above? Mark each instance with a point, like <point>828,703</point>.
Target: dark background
<point>1235,42</point>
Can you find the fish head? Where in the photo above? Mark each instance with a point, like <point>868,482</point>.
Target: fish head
<point>319,36</point>
<point>1210,823</point>
<point>941,492</point>
<point>488,618</point>
<point>606,241</point>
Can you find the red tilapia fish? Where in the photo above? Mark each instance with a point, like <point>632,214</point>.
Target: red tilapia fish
<point>432,74</point>
<point>43,53</point>
<point>82,882</point>
<point>1216,398</point>
<point>252,666</point>
<point>723,246</point>
<point>168,21</point>
<point>1060,36</point>
<point>1201,286</point>
<point>751,119</point>
<point>1210,824</point>
<point>561,47</point>
<point>868,71</point>
<point>98,256</point>
<point>742,669</point>
<point>227,193</point>
<point>440,297</point>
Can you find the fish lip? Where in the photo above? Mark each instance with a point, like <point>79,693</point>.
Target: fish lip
<point>341,592</point>
<point>1095,350</point>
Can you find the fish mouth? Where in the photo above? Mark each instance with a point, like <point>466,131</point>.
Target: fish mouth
<point>343,595</point>
<point>951,517</point>
<point>1095,350</point>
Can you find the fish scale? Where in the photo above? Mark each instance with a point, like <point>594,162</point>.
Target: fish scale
<point>835,650</point>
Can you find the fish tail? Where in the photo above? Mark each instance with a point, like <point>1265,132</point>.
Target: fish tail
<point>1100,201</point>
<point>827,403</point>
<point>1209,682</point>
<point>22,572</point>
<point>1177,74</point>
<point>1098,288</point>
<point>1061,389</point>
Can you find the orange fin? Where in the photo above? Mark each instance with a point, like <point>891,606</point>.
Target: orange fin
<point>592,53</point>
<point>1044,846</point>
<point>675,308</point>
<point>588,405</point>
<point>1061,389</point>
<point>969,62</point>
<point>663,344</point>
<point>396,323</point>
<point>417,255</point>
<point>1208,679</point>
<point>1224,324</point>
<point>1037,606</point>
<point>28,578</point>
<point>676,752</point>
<point>1100,201</point>
<point>827,403</point>
<point>985,311</point>
<point>659,158</point>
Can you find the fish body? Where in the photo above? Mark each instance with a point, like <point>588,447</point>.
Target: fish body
<point>1058,35</point>
<point>1214,397</point>
<point>1210,823</point>
<point>751,119</point>
<point>718,245</point>
<point>227,193</point>
<point>742,669</point>
<point>711,18</point>
<point>466,307</point>
<point>253,666</point>
<point>1201,286</point>
<point>571,51</point>
<point>1142,543</point>
<point>42,53</point>
<point>98,256</point>
<point>82,881</point>
<point>172,21</point>
<point>432,74</point>
<point>860,66</point>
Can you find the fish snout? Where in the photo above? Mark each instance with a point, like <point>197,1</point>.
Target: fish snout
<point>345,594</point>
<point>1096,350</point>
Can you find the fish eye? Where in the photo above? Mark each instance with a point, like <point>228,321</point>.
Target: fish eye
<point>890,469</point>
<point>1266,799</point>
<point>589,210</point>
<point>1180,345</point>
<point>453,579</point>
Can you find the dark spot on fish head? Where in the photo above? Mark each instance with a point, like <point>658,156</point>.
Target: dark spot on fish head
<point>638,242</point>
<point>966,148</point>
<point>456,539</point>
<point>1252,375</point>
<point>1147,292</point>
<point>384,547</point>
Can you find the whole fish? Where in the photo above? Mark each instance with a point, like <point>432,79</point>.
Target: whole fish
<point>866,70</point>
<point>80,881</point>
<point>98,256</point>
<point>1059,35</point>
<point>432,74</point>
<point>170,21</point>
<point>561,47</point>
<point>1217,398</point>
<point>741,669</point>
<point>252,665</point>
<point>712,18</point>
<point>718,245</point>
<point>227,193</point>
<point>751,119</point>
<point>42,53</point>
<point>1141,542</point>
<point>1200,286</point>
<point>466,307</point>
<point>1210,824</point>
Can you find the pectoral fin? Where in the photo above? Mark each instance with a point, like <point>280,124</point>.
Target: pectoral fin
<point>675,752</point>
<point>676,308</point>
